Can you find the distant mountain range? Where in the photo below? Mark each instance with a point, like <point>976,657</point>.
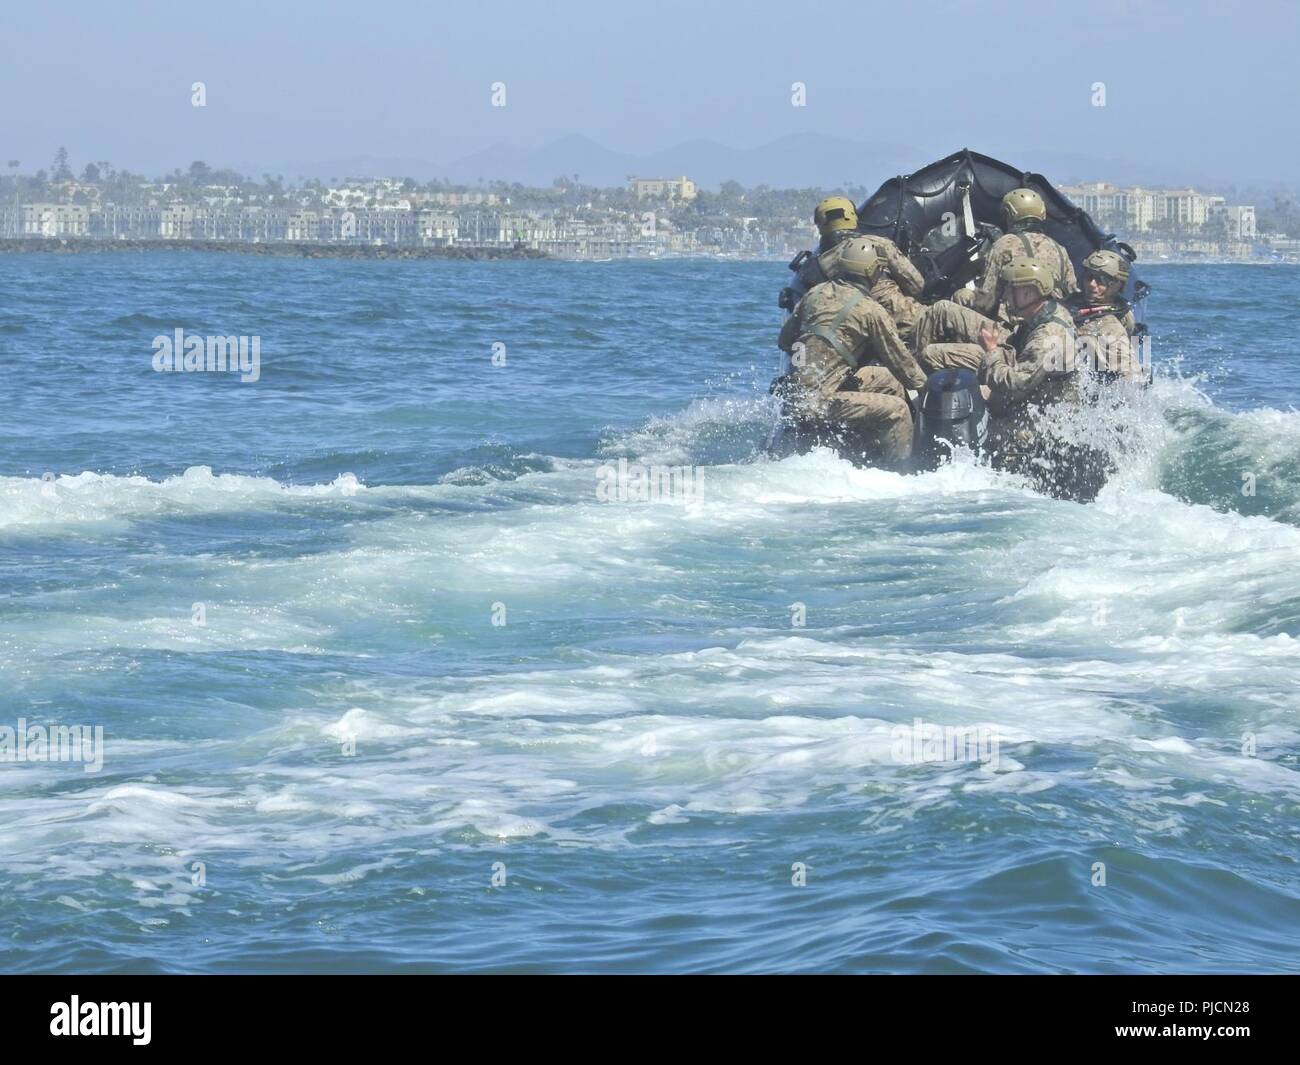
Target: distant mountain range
<point>796,161</point>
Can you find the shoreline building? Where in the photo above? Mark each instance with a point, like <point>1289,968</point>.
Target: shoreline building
<point>55,220</point>
<point>678,188</point>
<point>1140,210</point>
<point>1239,221</point>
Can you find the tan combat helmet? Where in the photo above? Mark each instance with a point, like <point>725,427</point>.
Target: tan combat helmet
<point>858,261</point>
<point>1110,266</point>
<point>1029,272</point>
<point>1020,205</point>
<point>835,213</point>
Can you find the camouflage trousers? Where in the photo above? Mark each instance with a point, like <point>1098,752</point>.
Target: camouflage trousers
<point>948,337</point>
<point>863,414</point>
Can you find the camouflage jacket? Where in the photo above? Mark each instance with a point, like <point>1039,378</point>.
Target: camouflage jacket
<point>859,330</point>
<point>899,267</point>
<point>1027,244</point>
<point>1035,365</point>
<point>1106,338</point>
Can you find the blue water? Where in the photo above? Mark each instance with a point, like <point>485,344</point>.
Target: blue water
<point>660,769</point>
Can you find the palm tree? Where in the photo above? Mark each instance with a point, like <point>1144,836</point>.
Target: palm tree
<point>62,172</point>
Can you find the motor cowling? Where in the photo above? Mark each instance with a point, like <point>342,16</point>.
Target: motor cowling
<point>807,267</point>
<point>950,413</point>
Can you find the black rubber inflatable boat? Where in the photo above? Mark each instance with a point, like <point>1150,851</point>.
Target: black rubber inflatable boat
<point>945,217</point>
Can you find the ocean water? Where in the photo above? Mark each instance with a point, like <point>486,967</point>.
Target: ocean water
<point>388,682</point>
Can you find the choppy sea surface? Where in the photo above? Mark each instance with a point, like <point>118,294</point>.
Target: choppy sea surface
<point>387,682</point>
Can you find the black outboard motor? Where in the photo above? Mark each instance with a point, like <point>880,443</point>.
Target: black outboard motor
<point>808,273</point>
<point>950,413</point>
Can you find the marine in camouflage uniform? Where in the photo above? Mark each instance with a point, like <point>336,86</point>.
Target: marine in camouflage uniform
<point>837,221</point>
<point>898,284</point>
<point>851,370</point>
<point>1023,211</point>
<point>1104,320</point>
<point>1031,371</point>
<point>898,289</point>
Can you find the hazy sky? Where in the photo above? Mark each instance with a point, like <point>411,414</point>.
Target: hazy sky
<point>1216,87</point>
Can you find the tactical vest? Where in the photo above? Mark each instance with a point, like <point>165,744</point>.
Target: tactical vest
<point>1032,253</point>
<point>830,333</point>
<point>1053,312</point>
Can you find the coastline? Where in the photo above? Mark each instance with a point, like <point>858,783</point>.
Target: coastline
<point>281,249</point>
<point>308,250</point>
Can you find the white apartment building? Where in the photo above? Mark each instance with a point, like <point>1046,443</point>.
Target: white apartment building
<point>177,222</point>
<point>1240,221</point>
<point>1136,209</point>
<point>55,220</point>
<point>1187,207</point>
<point>436,228</point>
<point>302,226</point>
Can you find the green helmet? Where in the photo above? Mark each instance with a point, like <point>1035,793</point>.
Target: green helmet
<point>858,261</point>
<point>1020,205</point>
<point>1029,272</point>
<point>1109,265</point>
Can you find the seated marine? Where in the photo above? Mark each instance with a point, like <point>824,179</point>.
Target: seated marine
<point>851,372</point>
<point>1023,214</point>
<point>837,221</point>
<point>1104,319</point>
<point>898,288</point>
<point>1027,374</point>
